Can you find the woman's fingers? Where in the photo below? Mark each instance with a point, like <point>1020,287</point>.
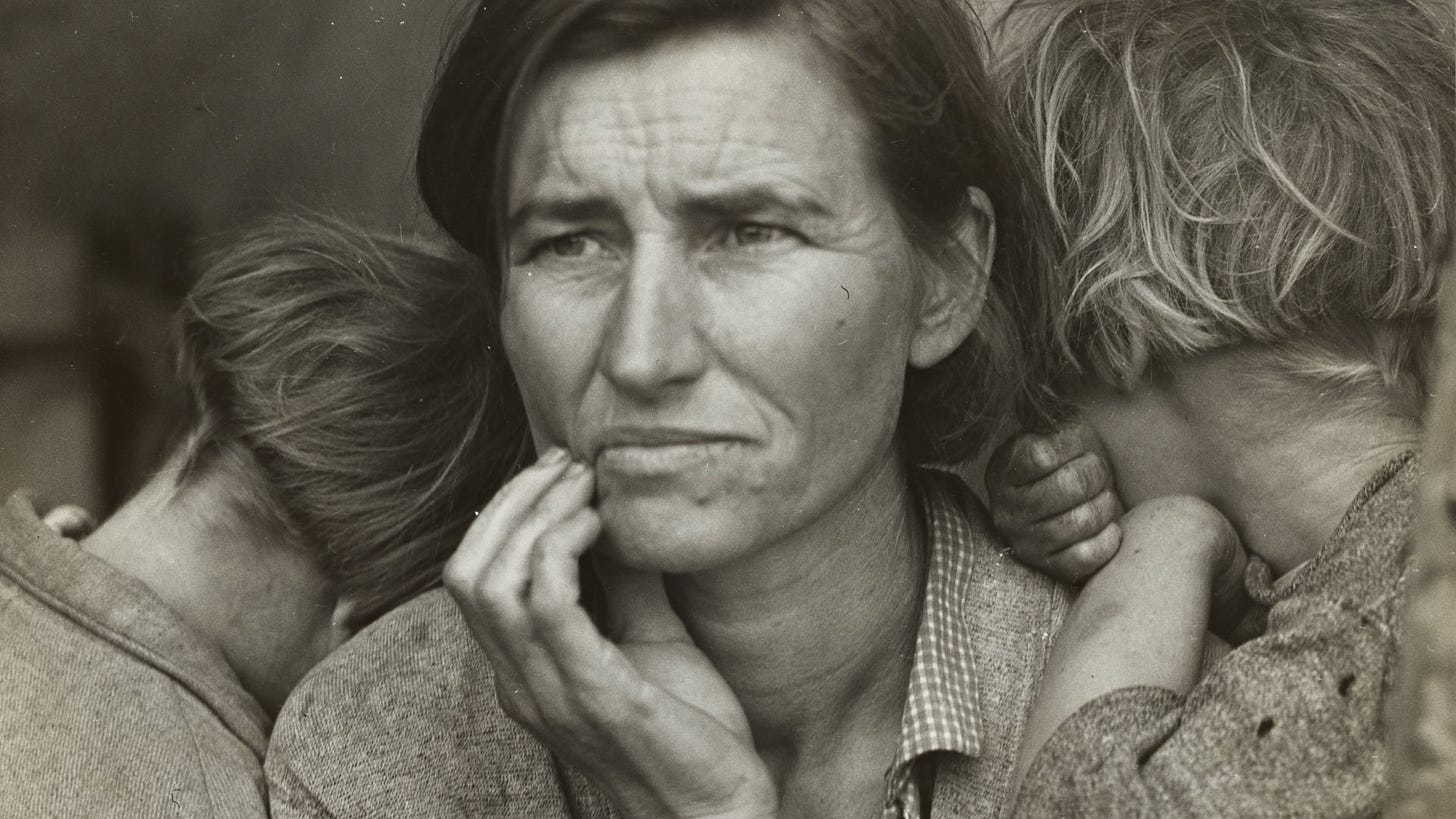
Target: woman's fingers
<point>554,600</point>
<point>490,574</point>
<point>507,577</point>
<point>650,722</point>
<point>486,535</point>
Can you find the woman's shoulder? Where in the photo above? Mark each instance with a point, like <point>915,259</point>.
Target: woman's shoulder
<point>402,720</point>
<point>419,654</point>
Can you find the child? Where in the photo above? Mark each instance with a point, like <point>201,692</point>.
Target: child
<point>348,409</point>
<point>1253,197</point>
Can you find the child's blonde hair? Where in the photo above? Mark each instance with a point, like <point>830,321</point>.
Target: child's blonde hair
<point>1232,171</point>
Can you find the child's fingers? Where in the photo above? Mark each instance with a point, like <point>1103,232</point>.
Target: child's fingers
<point>1077,524</point>
<point>1081,560</point>
<point>1029,457</point>
<point>1021,460</point>
<point>1073,439</point>
<point>70,521</point>
<point>1075,482</point>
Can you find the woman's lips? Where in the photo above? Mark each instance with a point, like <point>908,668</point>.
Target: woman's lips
<point>644,460</point>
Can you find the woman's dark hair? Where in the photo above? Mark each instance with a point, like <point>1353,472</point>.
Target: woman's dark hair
<point>354,384</point>
<point>916,70</point>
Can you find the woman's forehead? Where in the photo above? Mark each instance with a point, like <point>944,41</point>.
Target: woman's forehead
<point>705,110</point>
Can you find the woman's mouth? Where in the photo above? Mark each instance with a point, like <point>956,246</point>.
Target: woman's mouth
<point>645,460</point>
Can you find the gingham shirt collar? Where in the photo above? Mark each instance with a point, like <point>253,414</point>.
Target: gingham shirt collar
<point>942,707</point>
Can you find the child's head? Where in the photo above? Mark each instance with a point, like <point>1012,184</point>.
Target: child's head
<point>1227,172</point>
<point>349,387</point>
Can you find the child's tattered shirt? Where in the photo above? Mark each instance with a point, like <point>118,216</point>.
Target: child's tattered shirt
<point>1292,719</point>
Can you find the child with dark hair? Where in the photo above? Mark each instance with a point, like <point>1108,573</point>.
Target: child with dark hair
<point>1255,200</point>
<point>349,408</point>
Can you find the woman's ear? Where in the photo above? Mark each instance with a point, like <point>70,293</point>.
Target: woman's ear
<point>340,621</point>
<point>956,284</point>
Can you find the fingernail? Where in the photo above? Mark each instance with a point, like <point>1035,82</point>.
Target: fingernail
<point>1043,456</point>
<point>576,470</point>
<point>554,455</point>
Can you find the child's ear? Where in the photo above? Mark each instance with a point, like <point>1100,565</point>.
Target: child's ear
<point>1127,373</point>
<point>955,291</point>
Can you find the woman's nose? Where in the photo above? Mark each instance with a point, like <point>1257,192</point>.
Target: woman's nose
<point>653,344</point>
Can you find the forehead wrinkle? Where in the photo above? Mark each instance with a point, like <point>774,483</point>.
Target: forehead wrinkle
<point>566,140</point>
<point>597,122</point>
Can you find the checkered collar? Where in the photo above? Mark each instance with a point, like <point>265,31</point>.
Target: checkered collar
<point>942,708</point>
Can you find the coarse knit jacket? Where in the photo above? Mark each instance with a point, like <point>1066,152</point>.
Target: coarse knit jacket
<point>110,705</point>
<point>403,720</point>
<point>1290,723</point>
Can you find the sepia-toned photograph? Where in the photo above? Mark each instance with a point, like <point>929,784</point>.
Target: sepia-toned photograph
<point>727,409</point>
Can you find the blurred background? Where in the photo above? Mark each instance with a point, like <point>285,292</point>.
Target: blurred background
<point>130,133</point>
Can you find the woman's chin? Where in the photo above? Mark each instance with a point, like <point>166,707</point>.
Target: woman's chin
<point>661,535</point>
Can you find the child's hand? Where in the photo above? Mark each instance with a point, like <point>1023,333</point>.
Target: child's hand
<point>70,521</point>
<point>1052,498</point>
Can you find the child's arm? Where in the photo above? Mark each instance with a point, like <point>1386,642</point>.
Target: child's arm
<point>1292,719</point>
<point>1142,619</point>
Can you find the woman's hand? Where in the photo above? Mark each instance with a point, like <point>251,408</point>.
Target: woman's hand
<point>647,718</point>
<point>1052,498</point>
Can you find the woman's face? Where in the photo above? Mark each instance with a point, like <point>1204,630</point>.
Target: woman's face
<point>708,296</point>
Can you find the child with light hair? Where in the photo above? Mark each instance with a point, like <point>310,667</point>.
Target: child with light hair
<point>1255,200</point>
<point>349,409</point>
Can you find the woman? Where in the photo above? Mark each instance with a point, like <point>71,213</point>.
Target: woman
<point>337,385</point>
<point>1244,316</point>
<point>749,285</point>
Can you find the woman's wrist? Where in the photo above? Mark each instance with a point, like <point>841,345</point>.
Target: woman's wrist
<point>752,800</point>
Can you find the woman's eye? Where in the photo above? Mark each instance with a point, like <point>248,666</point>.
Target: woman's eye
<point>756,234</point>
<point>570,247</point>
<point>567,246</point>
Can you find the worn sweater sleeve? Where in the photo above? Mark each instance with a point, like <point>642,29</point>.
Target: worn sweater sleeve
<point>1291,720</point>
<point>402,721</point>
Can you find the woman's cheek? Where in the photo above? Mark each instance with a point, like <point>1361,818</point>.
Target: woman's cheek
<point>545,347</point>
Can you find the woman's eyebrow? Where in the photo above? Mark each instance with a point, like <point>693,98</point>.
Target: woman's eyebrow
<point>740,200</point>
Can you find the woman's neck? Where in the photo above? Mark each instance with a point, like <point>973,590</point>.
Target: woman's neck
<point>245,589</point>
<point>1283,463</point>
<point>815,633</point>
